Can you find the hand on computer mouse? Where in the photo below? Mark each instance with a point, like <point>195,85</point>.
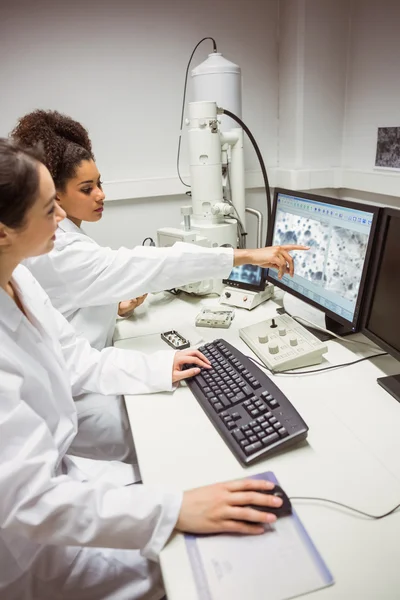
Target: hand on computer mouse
<point>225,508</point>
<point>284,509</point>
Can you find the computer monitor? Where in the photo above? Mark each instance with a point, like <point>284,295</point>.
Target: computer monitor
<point>331,275</point>
<point>381,313</point>
<point>247,277</point>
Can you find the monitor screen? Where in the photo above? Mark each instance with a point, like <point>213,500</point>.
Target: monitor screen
<point>331,274</point>
<point>381,314</point>
<point>248,277</point>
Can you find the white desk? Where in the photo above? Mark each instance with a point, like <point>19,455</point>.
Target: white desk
<point>352,454</point>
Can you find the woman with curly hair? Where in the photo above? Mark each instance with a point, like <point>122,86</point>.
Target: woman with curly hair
<point>85,281</point>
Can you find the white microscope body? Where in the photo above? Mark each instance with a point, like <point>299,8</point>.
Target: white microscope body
<point>215,158</point>
<point>210,221</point>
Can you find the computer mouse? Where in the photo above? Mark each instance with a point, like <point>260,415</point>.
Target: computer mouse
<point>279,511</point>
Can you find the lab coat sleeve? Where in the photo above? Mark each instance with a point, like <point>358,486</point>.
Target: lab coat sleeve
<point>47,508</point>
<point>113,370</point>
<point>95,275</point>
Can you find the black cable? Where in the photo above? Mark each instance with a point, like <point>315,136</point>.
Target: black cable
<point>361,512</point>
<point>148,239</point>
<point>242,233</point>
<point>261,161</point>
<point>183,103</point>
<point>354,362</point>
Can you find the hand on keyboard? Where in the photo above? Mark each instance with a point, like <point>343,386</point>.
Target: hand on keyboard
<point>187,364</point>
<point>224,508</point>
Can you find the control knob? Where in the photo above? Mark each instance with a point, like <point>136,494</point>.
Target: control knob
<point>273,348</point>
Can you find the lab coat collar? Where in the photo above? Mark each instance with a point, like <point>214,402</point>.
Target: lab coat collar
<point>69,227</point>
<point>10,314</point>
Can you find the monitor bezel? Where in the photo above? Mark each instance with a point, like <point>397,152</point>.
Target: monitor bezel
<point>387,213</point>
<point>248,286</point>
<point>375,210</point>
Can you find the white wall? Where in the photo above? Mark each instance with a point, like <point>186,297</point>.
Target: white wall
<point>312,82</point>
<point>373,79</point>
<point>339,80</point>
<point>118,66</point>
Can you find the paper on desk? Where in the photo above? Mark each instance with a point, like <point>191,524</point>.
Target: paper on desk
<point>281,564</point>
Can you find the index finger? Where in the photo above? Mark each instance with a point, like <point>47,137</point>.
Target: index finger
<point>198,354</point>
<point>243,485</point>
<point>289,247</point>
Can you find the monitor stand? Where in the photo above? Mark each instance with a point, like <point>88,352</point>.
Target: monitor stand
<point>391,384</point>
<point>297,308</point>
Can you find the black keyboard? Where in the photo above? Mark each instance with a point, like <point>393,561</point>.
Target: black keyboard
<point>248,410</point>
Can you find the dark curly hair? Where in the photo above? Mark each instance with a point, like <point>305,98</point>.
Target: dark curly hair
<point>65,142</point>
<point>19,182</point>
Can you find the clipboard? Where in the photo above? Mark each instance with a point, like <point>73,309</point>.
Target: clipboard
<point>281,564</point>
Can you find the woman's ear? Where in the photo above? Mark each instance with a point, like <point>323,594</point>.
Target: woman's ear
<point>5,240</point>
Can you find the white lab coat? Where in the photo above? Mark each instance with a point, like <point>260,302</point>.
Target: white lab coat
<point>86,281</point>
<point>64,534</point>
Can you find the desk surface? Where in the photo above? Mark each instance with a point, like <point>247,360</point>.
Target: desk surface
<point>352,453</point>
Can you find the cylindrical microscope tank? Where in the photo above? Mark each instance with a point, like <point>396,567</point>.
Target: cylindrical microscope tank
<point>219,80</point>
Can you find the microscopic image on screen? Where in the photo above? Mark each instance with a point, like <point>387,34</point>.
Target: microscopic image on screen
<point>293,229</point>
<point>249,274</point>
<point>345,261</point>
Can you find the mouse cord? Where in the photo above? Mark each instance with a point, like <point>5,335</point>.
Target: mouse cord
<point>346,506</point>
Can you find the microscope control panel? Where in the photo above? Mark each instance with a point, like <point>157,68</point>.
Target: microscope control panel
<point>282,343</point>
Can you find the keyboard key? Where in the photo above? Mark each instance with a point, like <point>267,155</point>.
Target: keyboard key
<point>274,403</point>
<point>235,416</point>
<point>238,435</point>
<point>282,432</point>
<point>273,420</point>
<point>251,448</point>
<point>224,400</point>
<point>218,406</point>
<point>253,438</point>
<point>270,439</point>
